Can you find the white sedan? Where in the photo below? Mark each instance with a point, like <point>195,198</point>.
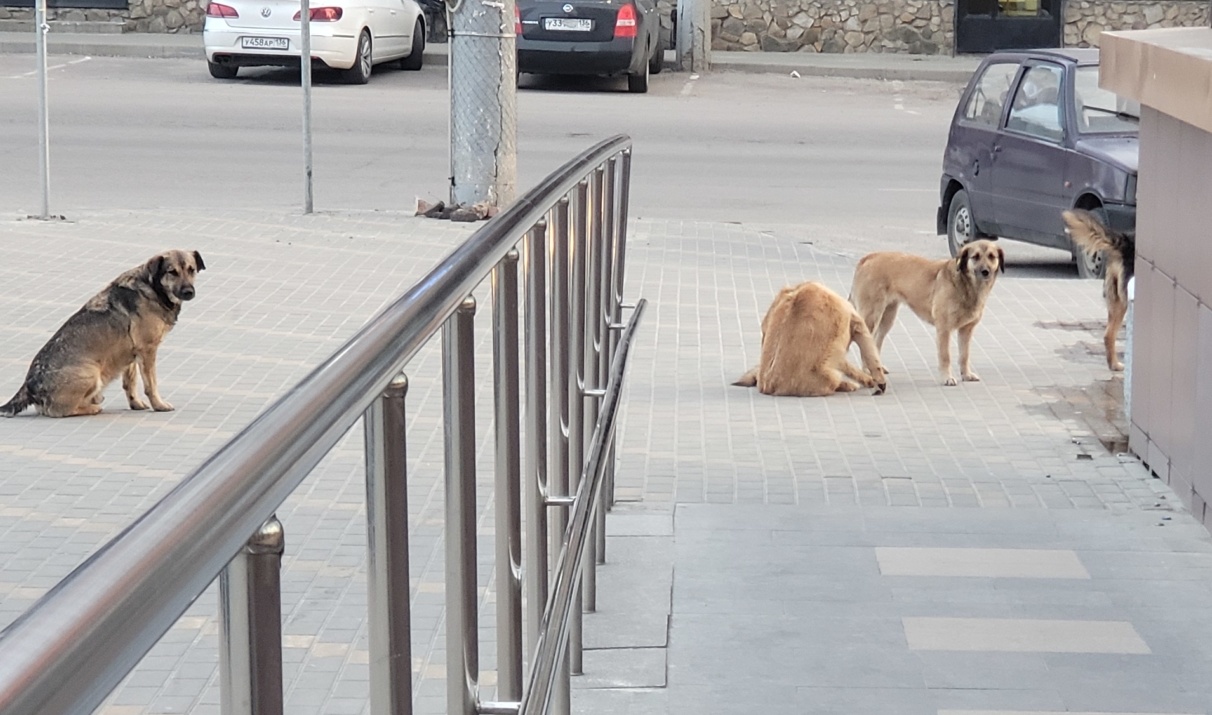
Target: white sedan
<point>351,36</point>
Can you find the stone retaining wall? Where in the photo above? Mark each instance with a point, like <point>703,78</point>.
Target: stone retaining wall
<point>915,26</point>
<point>141,15</point>
<point>1086,19</point>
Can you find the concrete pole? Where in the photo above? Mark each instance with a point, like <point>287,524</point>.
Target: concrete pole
<point>694,35</point>
<point>41,27</point>
<point>483,102</point>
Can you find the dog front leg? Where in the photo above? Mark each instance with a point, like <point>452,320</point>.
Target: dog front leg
<point>943,339</point>
<point>869,353</point>
<point>965,343</point>
<point>129,377</point>
<point>151,388</point>
<point>1115,318</point>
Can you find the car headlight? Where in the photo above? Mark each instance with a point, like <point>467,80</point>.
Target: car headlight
<point>1130,190</point>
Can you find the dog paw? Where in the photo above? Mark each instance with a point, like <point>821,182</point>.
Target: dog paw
<point>880,388</point>
<point>950,381</point>
<point>1117,367</point>
<point>971,377</point>
<point>137,404</point>
<point>162,406</point>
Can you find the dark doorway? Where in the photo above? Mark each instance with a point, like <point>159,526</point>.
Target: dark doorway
<point>990,25</point>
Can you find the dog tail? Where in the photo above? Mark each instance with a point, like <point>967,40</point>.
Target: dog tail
<point>17,405</point>
<point>1090,233</point>
<point>749,379</point>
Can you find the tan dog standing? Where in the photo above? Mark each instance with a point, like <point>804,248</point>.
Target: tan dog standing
<point>805,336</point>
<point>117,332</point>
<point>1120,250</point>
<point>949,294</point>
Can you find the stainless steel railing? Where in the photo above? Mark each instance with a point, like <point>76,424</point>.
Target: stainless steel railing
<point>72,647</point>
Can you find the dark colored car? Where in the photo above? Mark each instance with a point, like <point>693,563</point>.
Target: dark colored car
<point>591,37</point>
<point>1034,135</point>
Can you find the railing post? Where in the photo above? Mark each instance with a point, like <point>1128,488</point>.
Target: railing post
<point>389,622</point>
<point>558,419</point>
<point>593,382</point>
<point>606,336</point>
<point>250,625</point>
<point>534,253</point>
<point>576,386</point>
<point>458,388</point>
<point>508,478</point>
<point>616,300</point>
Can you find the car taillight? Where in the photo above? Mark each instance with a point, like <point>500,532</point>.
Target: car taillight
<point>321,14</point>
<point>517,21</point>
<point>624,25</point>
<point>216,9</point>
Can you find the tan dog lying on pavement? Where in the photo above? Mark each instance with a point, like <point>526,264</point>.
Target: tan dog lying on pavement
<point>117,332</point>
<point>805,336</point>
<point>949,294</point>
<point>1120,250</point>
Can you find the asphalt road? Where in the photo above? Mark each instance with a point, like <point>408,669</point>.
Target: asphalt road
<point>851,165</point>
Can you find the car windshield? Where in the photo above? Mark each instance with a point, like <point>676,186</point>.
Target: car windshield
<point>1100,111</point>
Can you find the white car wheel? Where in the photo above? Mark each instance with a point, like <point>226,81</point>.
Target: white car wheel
<point>363,61</point>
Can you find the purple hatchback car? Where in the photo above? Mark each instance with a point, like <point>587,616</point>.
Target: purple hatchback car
<point>1033,135</point>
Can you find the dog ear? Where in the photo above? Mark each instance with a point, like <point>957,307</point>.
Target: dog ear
<point>1001,259</point>
<point>961,262</point>
<point>155,267</point>
<point>198,261</point>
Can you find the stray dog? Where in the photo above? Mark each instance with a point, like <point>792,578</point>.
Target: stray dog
<point>805,336</point>
<point>1090,234</point>
<point>948,294</point>
<point>116,333</point>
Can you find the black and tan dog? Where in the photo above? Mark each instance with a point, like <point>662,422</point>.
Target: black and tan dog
<point>117,332</point>
<point>949,294</point>
<point>805,336</point>
<point>1120,251</point>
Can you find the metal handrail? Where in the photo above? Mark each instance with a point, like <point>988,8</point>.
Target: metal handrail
<point>553,629</point>
<point>72,647</point>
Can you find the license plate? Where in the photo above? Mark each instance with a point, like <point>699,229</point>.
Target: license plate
<point>567,24</point>
<point>265,43</point>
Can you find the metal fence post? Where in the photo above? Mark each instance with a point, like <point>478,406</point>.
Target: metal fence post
<point>558,481</point>
<point>576,385</point>
<point>305,80</point>
<point>459,426</point>
<point>387,531</point>
<point>619,259</point>
<point>250,625</point>
<point>508,477</point>
<point>607,336</point>
<point>593,385</point>
<point>534,252</point>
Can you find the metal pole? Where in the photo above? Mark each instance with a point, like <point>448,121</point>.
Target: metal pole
<point>459,426</point>
<point>305,67</point>
<point>593,384</point>
<point>534,253</point>
<point>558,480</point>
<point>250,626</point>
<point>616,301</point>
<point>41,27</point>
<point>508,478</point>
<point>483,102</point>
<point>387,532</point>
<point>606,335</point>
<point>576,384</point>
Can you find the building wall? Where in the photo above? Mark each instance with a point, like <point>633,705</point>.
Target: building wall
<point>1172,329</point>
<point>139,16</point>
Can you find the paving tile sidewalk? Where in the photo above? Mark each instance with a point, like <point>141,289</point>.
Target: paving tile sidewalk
<point>747,526</point>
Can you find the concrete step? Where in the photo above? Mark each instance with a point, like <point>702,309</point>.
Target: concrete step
<point>91,27</point>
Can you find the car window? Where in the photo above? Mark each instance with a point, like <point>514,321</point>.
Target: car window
<point>1036,109</point>
<point>989,96</point>
<point>1100,111</point>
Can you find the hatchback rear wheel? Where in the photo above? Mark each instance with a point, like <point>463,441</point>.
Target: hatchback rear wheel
<point>638,83</point>
<point>657,63</point>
